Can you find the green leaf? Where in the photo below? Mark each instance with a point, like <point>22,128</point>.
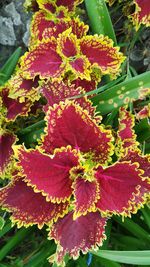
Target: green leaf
<point>110,117</point>
<point>106,263</point>
<point>14,241</point>
<point>32,133</point>
<point>147,148</point>
<point>133,228</point>
<point>142,129</point>
<point>81,262</point>
<point>2,75</point>
<point>8,68</point>
<point>146,214</point>
<point>2,223</point>
<point>128,242</point>
<point>6,229</point>
<point>129,257</point>
<point>100,20</point>
<point>101,89</point>
<point>46,251</point>
<point>123,93</point>
<point>34,127</point>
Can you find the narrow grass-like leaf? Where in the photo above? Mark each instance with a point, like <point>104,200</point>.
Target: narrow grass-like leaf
<point>47,250</point>
<point>129,257</point>
<point>81,262</point>
<point>110,117</point>
<point>147,148</point>
<point>14,241</point>
<point>100,20</point>
<point>123,93</point>
<point>133,228</point>
<point>146,214</point>
<point>144,102</point>
<point>128,242</point>
<point>105,263</point>
<point>6,229</point>
<point>8,68</point>
<point>2,223</point>
<point>101,89</point>
<point>142,129</point>
<point>31,128</point>
<point>2,75</point>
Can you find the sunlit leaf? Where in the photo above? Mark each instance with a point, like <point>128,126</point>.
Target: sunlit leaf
<point>123,93</point>
<point>129,257</point>
<point>9,66</point>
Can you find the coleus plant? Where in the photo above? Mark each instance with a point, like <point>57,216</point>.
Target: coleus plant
<point>80,173</point>
<point>54,8</point>
<point>61,46</point>
<point>56,57</point>
<point>7,140</point>
<point>141,14</point>
<point>144,112</point>
<point>73,179</point>
<point>11,108</point>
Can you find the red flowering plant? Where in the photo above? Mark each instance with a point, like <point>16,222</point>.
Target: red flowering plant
<point>17,98</point>
<point>23,89</point>
<point>83,168</point>
<point>43,27</point>
<point>74,181</point>
<point>56,57</point>
<point>60,47</point>
<point>12,107</point>
<point>54,8</point>
<point>54,92</point>
<point>144,112</point>
<point>127,143</point>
